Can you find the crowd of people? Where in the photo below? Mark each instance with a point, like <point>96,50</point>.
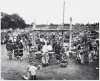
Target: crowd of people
<point>44,42</point>
<point>56,42</point>
<point>51,47</point>
<point>87,47</point>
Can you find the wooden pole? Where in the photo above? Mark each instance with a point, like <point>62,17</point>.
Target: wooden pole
<point>63,20</point>
<point>63,12</point>
<point>70,34</point>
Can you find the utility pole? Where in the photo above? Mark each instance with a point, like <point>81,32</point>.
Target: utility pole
<point>33,38</point>
<point>70,34</point>
<point>63,19</point>
<point>63,13</point>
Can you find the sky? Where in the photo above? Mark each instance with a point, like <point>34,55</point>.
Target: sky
<point>51,11</point>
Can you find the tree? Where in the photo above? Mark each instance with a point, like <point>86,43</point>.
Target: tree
<point>12,21</point>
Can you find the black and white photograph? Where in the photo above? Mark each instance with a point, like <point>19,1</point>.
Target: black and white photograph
<point>49,39</point>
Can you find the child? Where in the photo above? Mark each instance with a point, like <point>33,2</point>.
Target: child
<point>31,71</point>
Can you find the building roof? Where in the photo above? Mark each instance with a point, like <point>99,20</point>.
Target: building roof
<point>51,27</point>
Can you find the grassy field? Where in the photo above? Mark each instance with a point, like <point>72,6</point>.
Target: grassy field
<point>13,70</point>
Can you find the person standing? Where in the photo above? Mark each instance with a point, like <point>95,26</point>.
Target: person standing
<point>57,51</point>
<point>20,49</point>
<point>45,56</point>
<point>9,47</point>
<point>29,44</point>
<point>15,47</point>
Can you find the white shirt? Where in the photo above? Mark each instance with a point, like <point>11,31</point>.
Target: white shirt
<point>42,39</point>
<point>45,48</point>
<point>49,48</point>
<point>65,44</point>
<point>21,41</point>
<point>32,69</point>
<point>14,39</point>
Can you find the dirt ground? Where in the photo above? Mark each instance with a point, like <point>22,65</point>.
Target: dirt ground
<point>13,70</point>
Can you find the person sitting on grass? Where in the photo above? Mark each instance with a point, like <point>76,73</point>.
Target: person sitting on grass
<point>31,71</point>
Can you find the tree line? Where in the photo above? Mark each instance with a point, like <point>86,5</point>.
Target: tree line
<point>15,21</point>
<point>12,21</point>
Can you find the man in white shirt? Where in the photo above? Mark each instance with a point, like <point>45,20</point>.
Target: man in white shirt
<point>45,56</point>
<point>49,47</point>
<point>46,48</point>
